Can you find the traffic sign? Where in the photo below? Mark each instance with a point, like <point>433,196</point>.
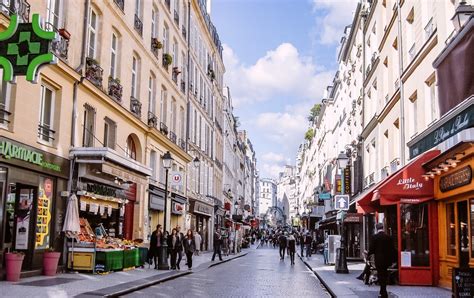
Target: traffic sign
<point>341,202</point>
<point>176,178</point>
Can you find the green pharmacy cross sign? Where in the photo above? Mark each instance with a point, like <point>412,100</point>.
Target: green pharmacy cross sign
<point>24,48</point>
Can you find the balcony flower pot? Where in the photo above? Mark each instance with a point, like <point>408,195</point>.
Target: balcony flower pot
<point>156,44</point>
<point>50,262</point>
<point>13,264</point>
<point>64,33</point>
<point>167,59</point>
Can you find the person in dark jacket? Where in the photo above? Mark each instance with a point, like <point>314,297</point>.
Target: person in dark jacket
<point>292,248</point>
<point>189,248</point>
<point>180,246</point>
<point>217,245</point>
<point>156,242</point>
<point>173,246</point>
<point>308,242</point>
<point>282,242</point>
<point>381,246</point>
<point>302,243</point>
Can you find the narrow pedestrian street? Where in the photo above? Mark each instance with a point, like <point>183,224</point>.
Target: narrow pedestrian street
<point>259,274</point>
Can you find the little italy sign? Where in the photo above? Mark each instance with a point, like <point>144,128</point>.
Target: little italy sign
<point>409,184</point>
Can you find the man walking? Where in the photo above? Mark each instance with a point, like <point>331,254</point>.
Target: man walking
<point>292,248</point>
<point>217,246</point>
<point>282,241</point>
<point>302,243</point>
<point>179,246</point>
<point>382,247</point>
<point>308,242</point>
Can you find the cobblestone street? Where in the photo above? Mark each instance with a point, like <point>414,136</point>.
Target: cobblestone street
<point>259,274</point>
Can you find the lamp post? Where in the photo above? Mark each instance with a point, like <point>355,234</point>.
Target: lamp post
<point>462,15</point>
<point>163,262</point>
<point>341,262</point>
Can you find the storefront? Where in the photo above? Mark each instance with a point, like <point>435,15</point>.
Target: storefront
<point>201,218</point>
<point>404,202</point>
<point>156,206</point>
<point>352,229</point>
<point>31,206</point>
<point>178,207</point>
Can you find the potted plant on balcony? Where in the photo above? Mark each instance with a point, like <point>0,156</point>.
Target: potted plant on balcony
<point>14,261</point>
<point>50,262</point>
<point>64,33</point>
<point>176,70</point>
<point>167,59</point>
<point>156,44</point>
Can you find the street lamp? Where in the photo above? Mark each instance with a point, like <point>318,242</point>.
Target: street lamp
<point>341,262</point>
<point>462,14</point>
<point>163,262</point>
<point>196,162</point>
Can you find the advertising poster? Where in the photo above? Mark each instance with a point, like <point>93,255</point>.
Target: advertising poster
<point>43,218</point>
<point>23,219</point>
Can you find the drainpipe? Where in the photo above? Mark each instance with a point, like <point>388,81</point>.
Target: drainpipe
<point>402,98</point>
<point>74,94</point>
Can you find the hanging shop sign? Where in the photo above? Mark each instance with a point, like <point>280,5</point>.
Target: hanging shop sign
<point>177,208</point>
<point>353,218</point>
<point>29,157</point>
<point>338,184</point>
<point>456,179</point>
<point>26,47</point>
<point>176,178</point>
<point>347,180</point>
<point>457,123</point>
<point>325,196</point>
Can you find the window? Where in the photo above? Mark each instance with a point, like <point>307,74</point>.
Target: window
<point>92,28</point>
<point>45,130</point>
<point>166,36</point>
<point>4,101</point>
<point>54,13</point>
<point>151,94</point>
<point>415,233</point>
<point>433,110</point>
<point>175,54</point>
<point>414,114</point>
<point>138,8</point>
<point>183,123</point>
<point>164,105</point>
<point>89,126</point>
<point>131,149</point>
<point>113,56</point>
<point>450,230</point>
<point>110,128</point>
<point>135,69</point>
<point>154,23</point>
<point>173,115</point>
<point>153,165</point>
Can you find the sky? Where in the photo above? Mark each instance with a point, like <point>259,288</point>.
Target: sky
<point>279,56</point>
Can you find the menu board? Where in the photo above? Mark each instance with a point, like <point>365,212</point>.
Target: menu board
<point>463,282</point>
<point>43,215</point>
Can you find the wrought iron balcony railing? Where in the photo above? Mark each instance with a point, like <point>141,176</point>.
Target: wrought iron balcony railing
<point>135,106</point>
<point>182,144</point>
<point>184,32</point>
<point>173,137</point>
<point>152,120</point>
<point>120,4</point>
<point>138,24</point>
<point>45,133</point>
<point>168,5</point>
<point>163,128</point>
<point>60,45</point>
<point>394,165</point>
<point>176,18</point>
<point>18,7</point>
<point>115,89</point>
<point>183,86</point>
<point>94,72</point>
<point>4,115</point>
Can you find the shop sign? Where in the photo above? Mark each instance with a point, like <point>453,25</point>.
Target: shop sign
<point>463,282</point>
<point>353,218</point>
<point>123,174</point>
<point>410,184</point>
<point>202,208</point>
<point>324,196</point>
<point>10,150</point>
<point>456,179</point>
<point>463,120</point>
<point>176,178</point>
<point>103,190</point>
<point>177,208</point>
<point>347,180</point>
<point>338,184</point>
<point>26,47</point>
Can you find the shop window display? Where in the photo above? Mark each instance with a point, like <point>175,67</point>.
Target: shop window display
<point>451,229</point>
<point>415,235</point>
<point>43,217</point>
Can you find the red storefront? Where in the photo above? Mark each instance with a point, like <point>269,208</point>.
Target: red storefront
<point>406,200</point>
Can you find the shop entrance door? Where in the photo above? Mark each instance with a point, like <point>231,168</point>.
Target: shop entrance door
<point>463,239</point>
<point>24,222</point>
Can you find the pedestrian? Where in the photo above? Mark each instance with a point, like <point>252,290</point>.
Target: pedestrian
<point>308,242</point>
<point>282,241</point>
<point>198,241</point>
<point>326,251</point>
<point>292,248</point>
<point>381,246</point>
<point>302,244</point>
<point>217,246</point>
<point>173,244</point>
<point>189,248</point>
<point>155,245</point>
<point>180,247</point>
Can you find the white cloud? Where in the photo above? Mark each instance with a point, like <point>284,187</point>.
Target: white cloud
<point>273,157</point>
<point>280,72</point>
<point>332,17</point>
<point>270,170</point>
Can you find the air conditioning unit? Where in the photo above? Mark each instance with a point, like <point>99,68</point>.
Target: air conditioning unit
<point>334,242</point>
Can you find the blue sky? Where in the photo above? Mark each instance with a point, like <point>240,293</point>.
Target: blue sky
<point>279,57</point>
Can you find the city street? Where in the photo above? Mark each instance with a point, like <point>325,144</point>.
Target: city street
<point>259,274</point>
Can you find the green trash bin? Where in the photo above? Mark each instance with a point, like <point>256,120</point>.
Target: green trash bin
<point>131,258</point>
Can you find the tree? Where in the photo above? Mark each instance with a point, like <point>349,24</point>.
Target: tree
<point>314,112</point>
<point>309,135</point>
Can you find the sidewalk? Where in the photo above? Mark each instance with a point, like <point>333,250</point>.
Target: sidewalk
<point>112,284</point>
<point>346,285</point>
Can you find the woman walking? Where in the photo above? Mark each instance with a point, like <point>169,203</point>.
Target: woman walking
<point>174,245</point>
<point>292,248</point>
<point>189,248</point>
<point>155,245</point>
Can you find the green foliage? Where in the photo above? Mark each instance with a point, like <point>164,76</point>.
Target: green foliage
<point>314,112</point>
<point>309,135</point>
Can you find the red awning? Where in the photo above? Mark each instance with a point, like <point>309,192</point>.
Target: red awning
<point>407,184</point>
<point>364,203</point>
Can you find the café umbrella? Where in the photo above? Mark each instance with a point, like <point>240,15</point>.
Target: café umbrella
<point>72,226</point>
